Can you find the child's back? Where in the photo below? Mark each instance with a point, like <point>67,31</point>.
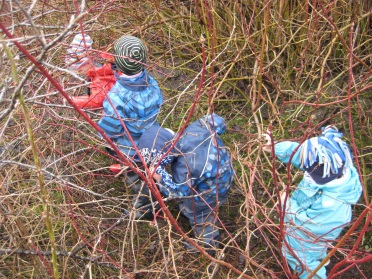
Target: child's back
<point>135,99</point>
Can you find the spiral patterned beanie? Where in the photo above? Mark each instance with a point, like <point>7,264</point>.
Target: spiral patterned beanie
<point>129,51</point>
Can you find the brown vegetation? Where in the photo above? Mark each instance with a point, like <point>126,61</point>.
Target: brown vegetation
<point>288,66</point>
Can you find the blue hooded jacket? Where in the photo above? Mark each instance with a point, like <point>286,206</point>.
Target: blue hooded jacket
<point>203,163</point>
<point>137,102</point>
<point>200,161</point>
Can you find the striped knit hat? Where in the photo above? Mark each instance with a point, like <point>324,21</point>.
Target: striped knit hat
<point>75,53</point>
<point>325,156</point>
<point>129,51</point>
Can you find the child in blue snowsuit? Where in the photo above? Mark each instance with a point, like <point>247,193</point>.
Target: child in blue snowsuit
<point>134,100</point>
<point>202,172</point>
<point>320,207</point>
<point>136,97</point>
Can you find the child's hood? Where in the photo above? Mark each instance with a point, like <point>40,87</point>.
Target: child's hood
<point>136,84</point>
<point>215,122</point>
<point>347,188</point>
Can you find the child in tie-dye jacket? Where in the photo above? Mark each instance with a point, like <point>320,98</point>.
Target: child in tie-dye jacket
<point>202,171</point>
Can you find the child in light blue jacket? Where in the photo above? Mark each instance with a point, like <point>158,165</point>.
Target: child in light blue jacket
<point>320,207</point>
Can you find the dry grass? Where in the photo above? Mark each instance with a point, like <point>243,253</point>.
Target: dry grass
<point>289,66</point>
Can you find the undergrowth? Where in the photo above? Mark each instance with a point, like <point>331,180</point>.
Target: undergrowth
<point>287,66</point>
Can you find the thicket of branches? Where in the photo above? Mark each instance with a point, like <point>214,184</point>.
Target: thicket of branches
<point>288,66</point>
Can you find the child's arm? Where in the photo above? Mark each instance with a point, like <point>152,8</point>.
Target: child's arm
<point>111,123</point>
<point>161,176</point>
<point>283,150</point>
<point>166,182</point>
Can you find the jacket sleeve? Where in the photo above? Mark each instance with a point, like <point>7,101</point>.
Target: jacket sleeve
<point>111,120</point>
<point>284,150</point>
<point>183,176</point>
<point>152,157</point>
<point>167,185</point>
<point>167,182</point>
